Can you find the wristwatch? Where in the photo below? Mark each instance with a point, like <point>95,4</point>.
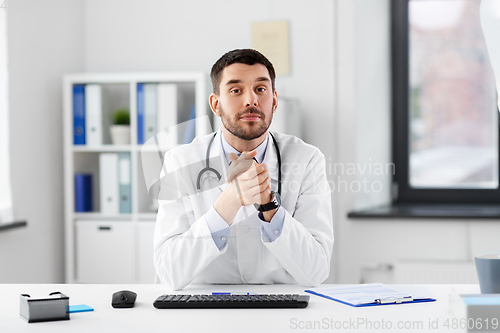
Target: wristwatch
<point>275,203</point>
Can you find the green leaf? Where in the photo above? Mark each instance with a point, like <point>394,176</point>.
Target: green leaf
<point>121,116</point>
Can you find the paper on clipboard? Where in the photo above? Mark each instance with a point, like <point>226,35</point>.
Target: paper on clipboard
<point>361,294</point>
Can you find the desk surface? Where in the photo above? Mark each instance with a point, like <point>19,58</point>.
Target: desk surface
<point>322,314</point>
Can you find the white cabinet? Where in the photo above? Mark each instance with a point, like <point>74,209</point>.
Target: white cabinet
<point>105,251</point>
<point>116,246</point>
<point>145,264</point>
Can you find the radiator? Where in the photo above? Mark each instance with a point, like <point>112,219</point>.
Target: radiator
<point>453,272</point>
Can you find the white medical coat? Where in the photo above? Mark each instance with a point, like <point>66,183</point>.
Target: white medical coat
<point>184,250</point>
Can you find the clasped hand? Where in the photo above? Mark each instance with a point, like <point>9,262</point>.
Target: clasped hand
<point>248,183</point>
<point>250,179</point>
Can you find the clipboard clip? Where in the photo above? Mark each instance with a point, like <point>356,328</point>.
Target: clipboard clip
<point>394,300</point>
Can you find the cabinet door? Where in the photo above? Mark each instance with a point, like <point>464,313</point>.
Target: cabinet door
<point>146,269</point>
<point>104,252</point>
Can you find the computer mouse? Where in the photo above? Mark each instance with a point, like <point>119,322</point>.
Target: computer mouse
<point>123,299</point>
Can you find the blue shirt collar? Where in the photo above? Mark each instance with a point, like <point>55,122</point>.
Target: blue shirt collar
<point>261,149</point>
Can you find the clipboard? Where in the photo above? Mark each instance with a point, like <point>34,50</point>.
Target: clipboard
<point>372,294</point>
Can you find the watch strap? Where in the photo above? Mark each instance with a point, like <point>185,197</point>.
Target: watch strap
<point>273,204</point>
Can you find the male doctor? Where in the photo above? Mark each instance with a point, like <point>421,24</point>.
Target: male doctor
<point>244,228</point>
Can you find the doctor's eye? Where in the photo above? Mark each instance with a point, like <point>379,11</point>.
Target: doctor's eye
<point>235,91</point>
<point>261,89</point>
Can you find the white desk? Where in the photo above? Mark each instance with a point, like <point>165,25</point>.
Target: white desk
<point>144,318</point>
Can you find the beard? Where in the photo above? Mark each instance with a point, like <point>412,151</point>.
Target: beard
<point>254,129</point>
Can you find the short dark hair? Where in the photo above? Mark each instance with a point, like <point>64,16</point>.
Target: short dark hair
<point>240,56</point>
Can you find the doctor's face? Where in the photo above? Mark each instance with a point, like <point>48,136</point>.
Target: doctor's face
<point>246,102</point>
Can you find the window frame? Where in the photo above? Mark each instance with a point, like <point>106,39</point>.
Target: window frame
<point>402,191</point>
<point>6,205</point>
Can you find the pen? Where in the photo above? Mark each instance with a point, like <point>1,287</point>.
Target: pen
<point>391,300</point>
<point>224,293</point>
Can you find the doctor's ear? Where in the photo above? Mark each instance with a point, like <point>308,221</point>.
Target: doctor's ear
<point>214,104</point>
<point>275,105</point>
<point>275,101</point>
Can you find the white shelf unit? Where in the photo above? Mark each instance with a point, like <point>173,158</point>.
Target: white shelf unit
<point>115,248</point>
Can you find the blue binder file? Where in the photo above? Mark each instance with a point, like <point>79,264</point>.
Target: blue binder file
<point>79,114</point>
<point>190,127</point>
<point>140,113</point>
<point>83,192</point>
<point>124,183</point>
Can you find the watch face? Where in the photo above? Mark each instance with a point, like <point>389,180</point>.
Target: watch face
<point>277,197</point>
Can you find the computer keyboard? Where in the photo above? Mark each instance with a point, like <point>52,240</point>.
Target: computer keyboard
<point>231,301</point>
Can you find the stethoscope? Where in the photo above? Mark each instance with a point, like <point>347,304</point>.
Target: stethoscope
<point>208,168</point>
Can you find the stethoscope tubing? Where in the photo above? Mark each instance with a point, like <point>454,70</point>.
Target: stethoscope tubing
<point>208,168</point>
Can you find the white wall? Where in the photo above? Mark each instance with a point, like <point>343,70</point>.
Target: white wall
<point>44,41</point>
<point>191,35</point>
<point>340,72</point>
<point>53,37</point>
<point>363,134</point>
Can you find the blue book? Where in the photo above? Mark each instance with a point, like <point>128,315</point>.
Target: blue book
<point>79,308</point>
<point>124,183</point>
<point>83,192</point>
<point>79,114</point>
<point>190,127</point>
<point>140,113</point>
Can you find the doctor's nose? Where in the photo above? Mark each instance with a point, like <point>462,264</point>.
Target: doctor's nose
<point>251,100</point>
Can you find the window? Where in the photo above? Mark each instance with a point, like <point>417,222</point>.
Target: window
<point>5,189</point>
<point>445,106</point>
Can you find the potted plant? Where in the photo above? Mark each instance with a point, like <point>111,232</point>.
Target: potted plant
<point>120,130</point>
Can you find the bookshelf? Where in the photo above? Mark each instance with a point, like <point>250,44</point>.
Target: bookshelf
<point>118,247</point>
